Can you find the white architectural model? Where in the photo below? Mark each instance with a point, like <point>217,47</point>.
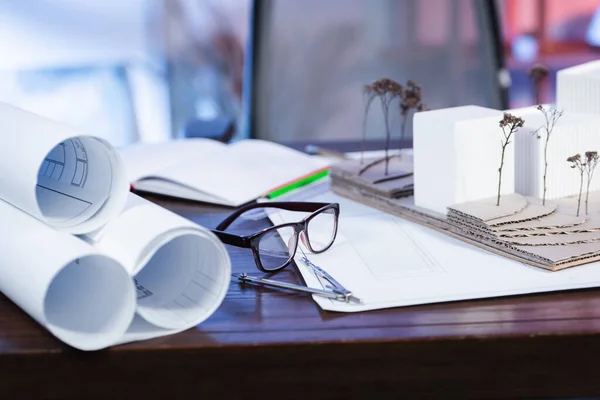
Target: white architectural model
<point>547,213</point>
<point>574,133</point>
<point>457,155</point>
<point>578,88</point>
<point>457,150</point>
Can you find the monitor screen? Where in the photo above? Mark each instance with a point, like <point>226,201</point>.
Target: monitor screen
<point>308,62</point>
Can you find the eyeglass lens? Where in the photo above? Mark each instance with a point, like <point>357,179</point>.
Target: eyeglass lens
<point>321,230</point>
<point>276,247</point>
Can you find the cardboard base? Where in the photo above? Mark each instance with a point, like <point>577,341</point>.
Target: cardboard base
<point>551,256</point>
<point>370,175</point>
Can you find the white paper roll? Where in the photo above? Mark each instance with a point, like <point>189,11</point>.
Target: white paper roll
<point>83,297</point>
<point>181,270</point>
<point>72,182</point>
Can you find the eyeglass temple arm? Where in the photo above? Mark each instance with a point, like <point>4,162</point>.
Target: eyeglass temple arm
<point>301,206</point>
<point>234,240</point>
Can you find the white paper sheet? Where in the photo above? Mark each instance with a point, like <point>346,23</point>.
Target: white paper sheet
<point>390,262</point>
<point>181,270</point>
<point>85,298</point>
<point>140,329</point>
<point>72,182</point>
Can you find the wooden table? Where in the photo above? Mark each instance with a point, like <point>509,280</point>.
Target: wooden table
<point>264,343</point>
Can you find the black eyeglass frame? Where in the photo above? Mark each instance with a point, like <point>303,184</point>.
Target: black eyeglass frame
<point>299,227</point>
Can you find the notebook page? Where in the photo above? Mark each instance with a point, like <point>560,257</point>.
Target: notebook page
<point>247,170</point>
<point>147,159</point>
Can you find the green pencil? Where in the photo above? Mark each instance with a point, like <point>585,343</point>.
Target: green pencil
<point>299,183</point>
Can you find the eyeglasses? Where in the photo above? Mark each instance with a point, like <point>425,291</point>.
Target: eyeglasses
<point>274,248</point>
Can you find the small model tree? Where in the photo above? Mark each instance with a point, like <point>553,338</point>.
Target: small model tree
<point>577,162</point>
<point>509,125</point>
<point>551,117</point>
<point>538,74</point>
<point>387,90</point>
<point>591,161</point>
<point>370,92</point>
<point>411,100</point>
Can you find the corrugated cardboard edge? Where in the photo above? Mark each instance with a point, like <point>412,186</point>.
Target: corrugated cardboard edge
<point>342,175</point>
<point>592,224</point>
<point>487,211</point>
<point>564,239</point>
<point>438,222</point>
<point>521,216</point>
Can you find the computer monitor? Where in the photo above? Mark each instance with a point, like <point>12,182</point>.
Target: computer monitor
<point>307,62</point>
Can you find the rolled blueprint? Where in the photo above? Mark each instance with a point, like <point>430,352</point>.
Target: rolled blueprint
<point>181,270</point>
<point>85,298</point>
<point>72,182</point>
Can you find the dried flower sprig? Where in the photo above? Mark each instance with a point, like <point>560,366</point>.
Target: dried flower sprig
<point>551,117</point>
<point>577,162</point>
<point>387,90</point>
<point>369,92</point>
<point>509,125</point>
<point>392,90</point>
<point>411,100</point>
<point>537,73</point>
<point>591,161</point>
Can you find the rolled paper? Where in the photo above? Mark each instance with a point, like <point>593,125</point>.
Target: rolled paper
<point>181,270</point>
<point>72,182</point>
<point>83,297</point>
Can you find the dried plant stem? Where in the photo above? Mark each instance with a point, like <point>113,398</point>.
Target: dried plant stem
<point>386,89</point>
<point>504,144</point>
<point>545,169</point>
<point>548,132</point>
<point>551,117</point>
<point>386,112</point>
<point>587,194</point>
<point>538,74</point>
<point>403,129</point>
<point>375,162</point>
<point>580,190</point>
<point>591,161</point>
<point>364,127</point>
<point>537,92</point>
<point>581,166</point>
<point>513,123</point>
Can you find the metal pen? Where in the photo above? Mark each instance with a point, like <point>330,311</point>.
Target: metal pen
<point>285,285</point>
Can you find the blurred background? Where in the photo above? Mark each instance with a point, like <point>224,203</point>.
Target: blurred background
<point>283,70</point>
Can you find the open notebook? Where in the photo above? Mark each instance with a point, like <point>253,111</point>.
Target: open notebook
<point>210,171</point>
